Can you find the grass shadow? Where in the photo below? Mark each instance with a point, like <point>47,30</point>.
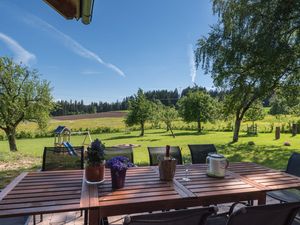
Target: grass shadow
<point>186,134</point>
<point>271,156</point>
<point>120,137</point>
<point>150,139</point>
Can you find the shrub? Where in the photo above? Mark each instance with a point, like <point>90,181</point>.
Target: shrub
<point>24,134</point>
<point>251,143</point>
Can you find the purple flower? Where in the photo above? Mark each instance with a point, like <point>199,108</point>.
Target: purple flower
<point>95,153</point>
<point>119,163</point>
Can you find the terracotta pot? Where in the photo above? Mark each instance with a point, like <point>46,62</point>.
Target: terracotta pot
<point>117,178</point>
<point>95,173</point>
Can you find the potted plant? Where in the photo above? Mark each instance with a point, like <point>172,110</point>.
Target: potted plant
<point>118,166</point>
<point>95,164</point>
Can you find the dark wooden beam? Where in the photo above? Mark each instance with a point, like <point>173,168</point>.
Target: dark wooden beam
<point>67,8</point>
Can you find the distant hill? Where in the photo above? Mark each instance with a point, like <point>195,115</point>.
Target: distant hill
<point>91,116</point>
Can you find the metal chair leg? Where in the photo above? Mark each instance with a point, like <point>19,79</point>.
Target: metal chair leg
<point>85,217</point>
<point>34,220</point>
<point>104,221</point>
<point>250,202</point>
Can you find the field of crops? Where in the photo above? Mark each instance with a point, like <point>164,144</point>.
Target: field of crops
<point>100,122</point>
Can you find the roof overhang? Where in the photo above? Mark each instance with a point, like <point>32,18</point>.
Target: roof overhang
<point>71,9</point>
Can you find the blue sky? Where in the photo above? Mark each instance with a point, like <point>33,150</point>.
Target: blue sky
<point>129,45</point>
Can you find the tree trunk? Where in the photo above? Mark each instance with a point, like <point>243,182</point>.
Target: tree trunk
<point>236,131</point>
<point>142,129</point>
<point>199,126</point>
<point>11,136</point>
<point>170,129</point>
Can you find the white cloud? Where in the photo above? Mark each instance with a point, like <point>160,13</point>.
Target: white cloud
<point>20,54</point>
<point>70,43</point>
<point>193,71</point>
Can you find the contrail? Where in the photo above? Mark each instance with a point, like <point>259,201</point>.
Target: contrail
<point>70,43</point>
<point>193,71</point>
<point>21,54</point>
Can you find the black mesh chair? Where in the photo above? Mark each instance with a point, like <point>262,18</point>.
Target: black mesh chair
<point>276,214</point>
<point>157,153</point>
<point>60,158</point>
<point>111,152</point>
<point>289,195</point>
<point>63,158</point>
<point>190,217</point>
<point>200,152</point>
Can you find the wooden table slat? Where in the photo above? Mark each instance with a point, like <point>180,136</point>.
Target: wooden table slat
<point>38,199</point>
<point>39,204</point>
<point>11,186</point>
<point>43,194</point>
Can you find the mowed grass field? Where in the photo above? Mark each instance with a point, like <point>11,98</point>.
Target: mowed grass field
<point>266,150</point>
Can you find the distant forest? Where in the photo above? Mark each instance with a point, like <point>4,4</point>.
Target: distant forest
<point>168,98</point>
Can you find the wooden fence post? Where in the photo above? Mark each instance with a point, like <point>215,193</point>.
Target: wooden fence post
<point>277,133</point>
<point>294,129</point>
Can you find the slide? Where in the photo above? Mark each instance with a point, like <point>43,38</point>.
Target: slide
<point>70,148</point>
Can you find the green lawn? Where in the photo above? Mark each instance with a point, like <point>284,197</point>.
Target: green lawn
<point>266,150</point>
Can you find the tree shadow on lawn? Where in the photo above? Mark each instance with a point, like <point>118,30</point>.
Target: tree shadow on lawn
<point>186,134</point>
<point>149,139</point>
<point>271,156</point>
<point>120,137</point>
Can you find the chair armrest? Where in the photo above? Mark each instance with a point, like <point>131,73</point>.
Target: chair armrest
<point>228,213</point>
<point>234,205</point>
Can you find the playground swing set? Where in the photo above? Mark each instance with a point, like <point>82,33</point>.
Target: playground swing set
<point>62,138</point>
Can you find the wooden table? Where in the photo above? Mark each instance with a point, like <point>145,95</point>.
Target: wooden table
<point>42,192</point>
<point>47,192</point>
<point>144,192</point>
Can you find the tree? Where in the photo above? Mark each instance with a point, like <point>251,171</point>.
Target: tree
<point>23,97</point>
<point>168,115</point>
<point>197,107</point>
<point>139,111</point>
<point>255,112</point>
<point>286,101</point>
<point>155,117</point>
<point>251,51</point>
<point>279,106</point>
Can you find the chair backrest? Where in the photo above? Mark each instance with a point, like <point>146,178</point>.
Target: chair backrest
<point>111,152</point>
<point>200,152</point>
<point>63,158</point>
<point>179,217</point>
<point>277,214</point>
<point>293,166</point>
<point>156,153</point>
